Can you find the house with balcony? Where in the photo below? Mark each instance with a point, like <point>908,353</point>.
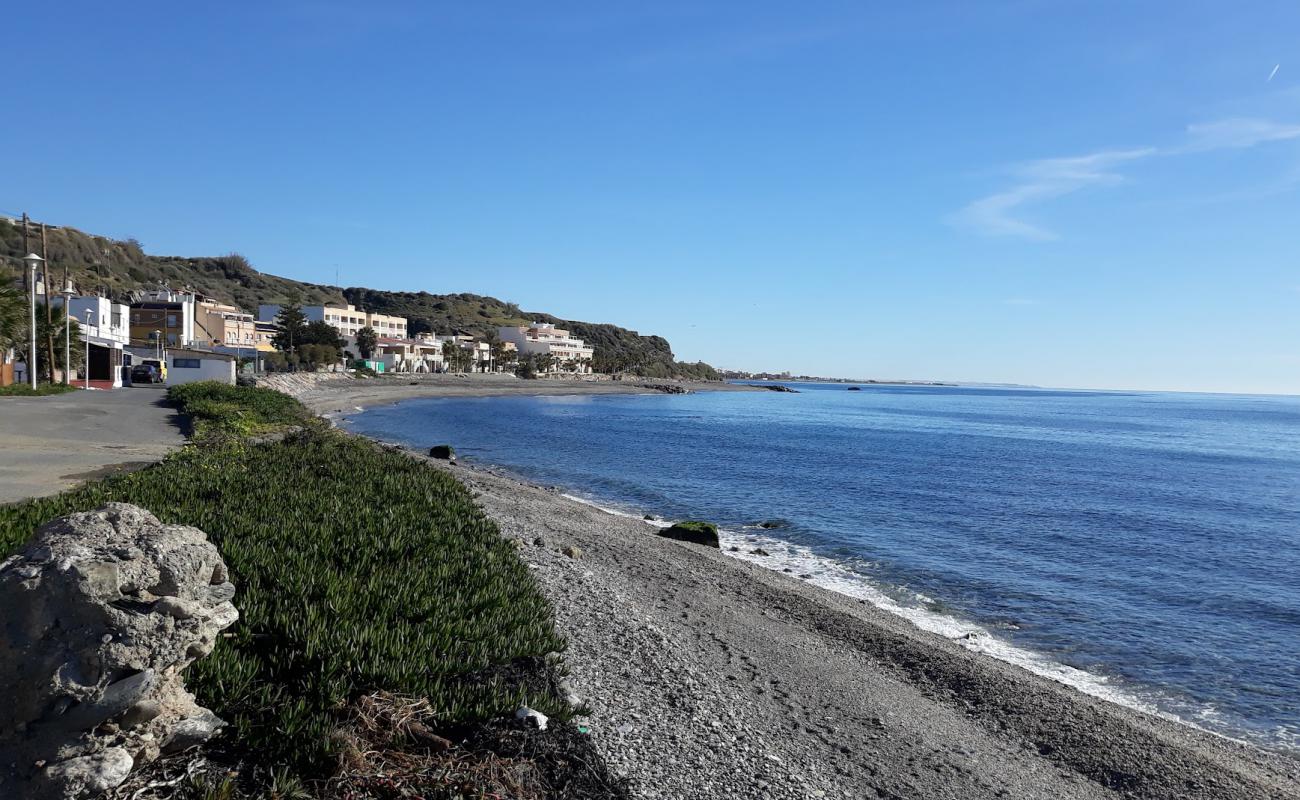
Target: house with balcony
<point>479,358</point>
<point>225,328</point>
<point>163,318</point>
<point>570,354</point>
<point>420,355</point>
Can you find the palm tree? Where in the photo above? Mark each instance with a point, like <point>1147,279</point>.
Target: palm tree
<point>367,340</point>
<point>451,355</point>
<point>501,355</point>
<point>13,318</point>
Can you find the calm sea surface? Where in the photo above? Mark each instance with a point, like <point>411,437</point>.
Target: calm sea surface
<point>1142,547</point>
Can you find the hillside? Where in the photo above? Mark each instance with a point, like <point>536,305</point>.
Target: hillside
<point>114,268</point>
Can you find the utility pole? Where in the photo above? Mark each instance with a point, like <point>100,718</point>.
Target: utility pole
<point>49,307</point>
<point>30,276</point>
<point>67,328</point>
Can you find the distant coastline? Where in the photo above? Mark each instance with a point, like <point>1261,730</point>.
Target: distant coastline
<point>866,382</point>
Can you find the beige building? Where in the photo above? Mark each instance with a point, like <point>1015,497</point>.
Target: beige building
<point>221,325</point>
<point>346,319</point>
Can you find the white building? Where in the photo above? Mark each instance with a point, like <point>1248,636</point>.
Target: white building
<point>423,355</point>
<point>571,355</point>
<point>187,366</point>
<point>346,319</point>
<point>105,326</point>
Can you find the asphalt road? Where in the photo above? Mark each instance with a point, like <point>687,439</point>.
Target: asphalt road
<point>49,444</point>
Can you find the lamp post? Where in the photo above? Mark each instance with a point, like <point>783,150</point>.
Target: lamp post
<point>157,346</point>
<point>87,338</point>
<point>33,261</point>
<point>67,333</point>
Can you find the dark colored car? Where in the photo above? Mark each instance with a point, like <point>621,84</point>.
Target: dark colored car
<point>145,373</point>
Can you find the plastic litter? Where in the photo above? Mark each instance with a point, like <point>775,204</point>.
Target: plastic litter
<point>538,718</point>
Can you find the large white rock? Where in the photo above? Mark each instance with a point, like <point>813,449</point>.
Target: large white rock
<point>102,612</point>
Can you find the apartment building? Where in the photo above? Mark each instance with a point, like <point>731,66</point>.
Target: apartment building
<point>221,325</point>
<point>347,319</point>
<point>571,354</point>
<point>163,314</point>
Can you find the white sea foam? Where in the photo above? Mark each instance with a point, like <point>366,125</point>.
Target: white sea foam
<point>916,608</point>
<point>830,574</point>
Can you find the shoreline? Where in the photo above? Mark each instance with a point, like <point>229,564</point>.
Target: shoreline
<point>332,394</point>
<point>706,671</point>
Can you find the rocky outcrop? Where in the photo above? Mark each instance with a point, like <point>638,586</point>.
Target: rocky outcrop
<point>666,388</point>
<point>705,533</point>
<point>102,612</point>
<point>442,451</point>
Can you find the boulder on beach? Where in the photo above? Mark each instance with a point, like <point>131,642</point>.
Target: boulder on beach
<point>693,531</point>
<point>103,612</point>
<point>443,451</point>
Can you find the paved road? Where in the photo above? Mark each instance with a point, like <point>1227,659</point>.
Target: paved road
<point>48,444</point>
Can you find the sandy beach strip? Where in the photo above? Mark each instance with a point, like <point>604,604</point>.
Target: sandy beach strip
<point>330,395</point>
<point>708,676</point>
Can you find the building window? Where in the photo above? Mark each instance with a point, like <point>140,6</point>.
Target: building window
<point>171,338</point>
<point>171,320</point>
<point>185,363</point>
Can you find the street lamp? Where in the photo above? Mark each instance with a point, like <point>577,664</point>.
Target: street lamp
<point>33,261</point>
<point>67,332</point>
<point>87,338</point>
<point>157,347</point>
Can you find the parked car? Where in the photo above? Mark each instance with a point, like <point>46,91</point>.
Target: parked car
<point>145,373</point>
<point>160,366</point>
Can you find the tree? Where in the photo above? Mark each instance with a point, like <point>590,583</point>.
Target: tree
<point>53,332</point>
<point>321,332</point>
<point>533,364</point>
<point>456,357</point>
<point>290,325</point>
<point>313,356</point>
<point>502,356</point>
<point>367,341</point>
<point>13,318</point>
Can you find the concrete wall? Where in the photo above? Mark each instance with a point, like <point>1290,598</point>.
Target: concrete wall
<point>211,367</point>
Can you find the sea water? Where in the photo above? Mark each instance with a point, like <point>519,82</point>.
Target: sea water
<point>1142,547</point>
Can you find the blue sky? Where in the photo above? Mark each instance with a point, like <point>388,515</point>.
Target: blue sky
<point>1094,194</point>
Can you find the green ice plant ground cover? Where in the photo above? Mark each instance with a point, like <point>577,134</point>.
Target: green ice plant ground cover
<point>358,569</point>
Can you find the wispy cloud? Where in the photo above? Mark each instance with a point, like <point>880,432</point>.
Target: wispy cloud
<point>1235,134</point>
<point>1001,213</point>
<point>1045,179</point>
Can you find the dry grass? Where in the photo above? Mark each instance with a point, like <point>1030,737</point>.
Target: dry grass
<point>389,750</point>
